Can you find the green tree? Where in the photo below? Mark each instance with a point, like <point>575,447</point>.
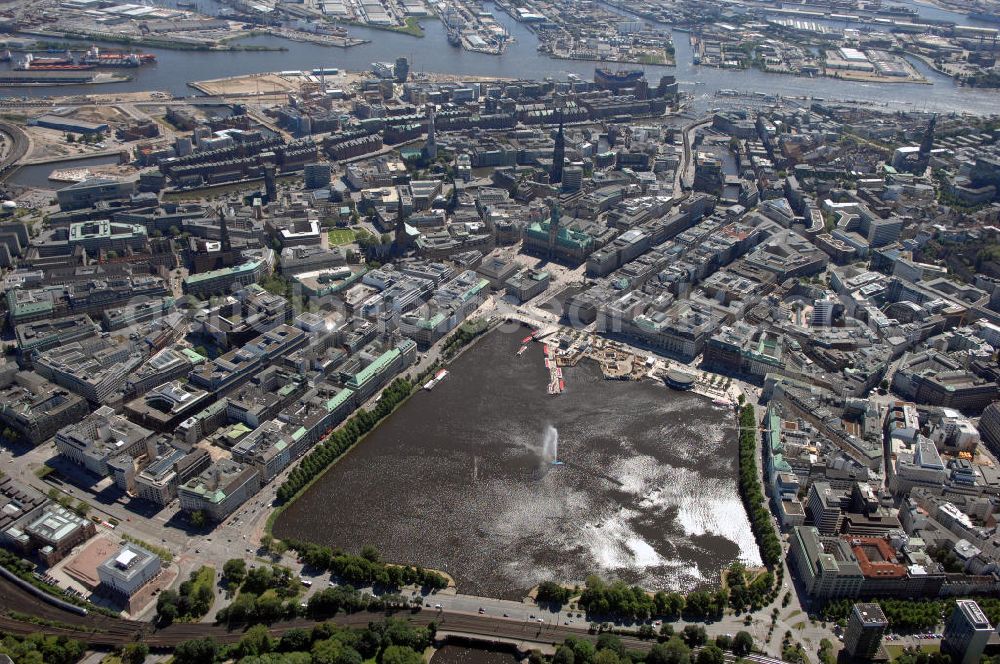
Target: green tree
<point>327,651</point>
<point>694,635</point>
<point>401,655</point>
<point>606,657</point>
<point>198,519</point>
<point>564,656</point>
<point>166,606</point>
<point>235,570</point>
<point>197,651</point>
<point>294,640</point>
<point>826,652</point>
<point>742,643</point>
<point>583,650</point>
<point>711,655</point>
<point>673,651</point>
<point>134,653</point>
<point>81,508</point>
<point>256,641</point>
<point>609,641</point>
<point>550,592</point>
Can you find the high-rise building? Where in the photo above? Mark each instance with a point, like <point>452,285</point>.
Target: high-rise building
<point>822,313</point>
<point>317,176</point>
<point>558,154</point>
<point>401,70</point>
<point>864,631</point>
<point>270,183</point>
<point>572,179</point>
<point>967,632</point>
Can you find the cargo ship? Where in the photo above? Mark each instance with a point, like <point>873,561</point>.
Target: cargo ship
<point>59,63</point>
<point>454,38</point>
<point>96,57</point>
<point>34,67</point>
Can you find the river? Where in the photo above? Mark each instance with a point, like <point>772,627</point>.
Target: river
<point>457,480</point>
<point>174,69</point>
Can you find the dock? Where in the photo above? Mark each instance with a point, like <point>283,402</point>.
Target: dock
<point>557,384</point>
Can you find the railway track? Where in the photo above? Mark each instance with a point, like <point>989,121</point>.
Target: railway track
<point>101,630</point>
<point>18,148</point>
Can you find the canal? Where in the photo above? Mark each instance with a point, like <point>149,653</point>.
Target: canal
<point>459,480</point>
<point>37,175</point>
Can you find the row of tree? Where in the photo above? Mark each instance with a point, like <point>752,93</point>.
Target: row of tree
<point>367,568</point>
<point>463,336</point>
<point>388,642</point>
<point>912,615</point>
<point>689,647</point>
<point>621,601</point>
<point>338,442</point>
<point>752,493</point>
<point>904,615</point>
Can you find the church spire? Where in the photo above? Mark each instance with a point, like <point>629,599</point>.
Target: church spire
<point>224,231</point>
<point>430,148</point>
<point>558,154</point>
<point>926,145</point>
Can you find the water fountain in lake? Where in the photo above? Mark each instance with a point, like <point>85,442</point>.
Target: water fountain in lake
<point>550,446</point>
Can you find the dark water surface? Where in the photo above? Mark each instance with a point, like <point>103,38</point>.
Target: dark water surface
<point>456,480</point>
<point>38,175</point>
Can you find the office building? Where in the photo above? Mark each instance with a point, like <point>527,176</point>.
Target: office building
<point>102,436</point>
<point>93,190</point>
<point>220,489</point>
<point>34,408</point>
<point>966,632</point>
<point>124,573</point>
<point>864,631</point>
<point>316,176</point>
<point>826,566</point>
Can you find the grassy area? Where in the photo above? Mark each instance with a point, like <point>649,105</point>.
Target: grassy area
<point>651,59</point>
<point>341,236</point>
<point>44,472</point>
<point>205,577</point>
<point>412,27</point>
<point>894,650</point>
